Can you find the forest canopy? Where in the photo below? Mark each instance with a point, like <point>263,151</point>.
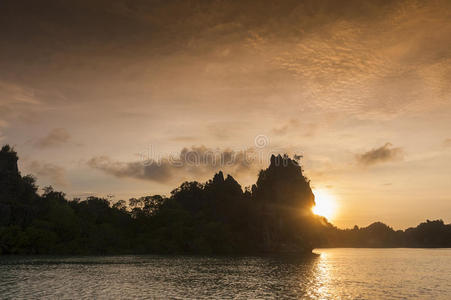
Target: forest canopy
<point>215,217</point>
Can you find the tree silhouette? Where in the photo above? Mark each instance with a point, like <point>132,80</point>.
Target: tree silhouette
<point>216,217</point>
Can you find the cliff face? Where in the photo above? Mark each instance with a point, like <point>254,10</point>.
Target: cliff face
<point>284,200</point>
<point>8,163</point>
<point>9,172</point>
<point>9,180</point>
<point>16,192</point>
<point>283,184</point>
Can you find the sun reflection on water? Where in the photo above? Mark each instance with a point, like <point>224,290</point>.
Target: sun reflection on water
<point>331,274</point>
<point>319,285</point>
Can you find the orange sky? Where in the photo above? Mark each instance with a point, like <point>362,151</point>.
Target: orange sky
<point>359,88</point>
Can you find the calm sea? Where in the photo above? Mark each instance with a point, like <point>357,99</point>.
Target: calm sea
<point>333,274</point>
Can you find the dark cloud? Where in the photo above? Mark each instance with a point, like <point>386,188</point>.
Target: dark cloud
<point>380,155</point>
<point>191,163</point>
<point>343,55</point>
<point>56,137</point>
<point>55,173</point>
<point>151,170</point>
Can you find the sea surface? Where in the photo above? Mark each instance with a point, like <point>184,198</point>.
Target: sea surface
<point>332,274</point>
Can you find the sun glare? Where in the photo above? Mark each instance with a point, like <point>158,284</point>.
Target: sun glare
<point>326,204</point>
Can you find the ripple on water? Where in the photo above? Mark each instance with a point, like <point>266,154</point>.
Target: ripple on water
<point>335,273</point>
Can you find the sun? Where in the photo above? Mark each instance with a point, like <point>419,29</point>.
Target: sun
<point>326,204</point>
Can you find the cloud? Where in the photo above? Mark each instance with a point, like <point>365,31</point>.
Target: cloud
<point>159,172</point>
<point>16,102</point>
<point>447,143</point>
<point>382,154</point>
<point>183,138</point>
<point>223,62</point>
<point>55,173</point>
<point>12,93</point>
<point>56,137</point>
<point>358,58</point>
<point>370,67</point>
<point>283,129</point>
<point>306,129</point>
<point>194,162</point>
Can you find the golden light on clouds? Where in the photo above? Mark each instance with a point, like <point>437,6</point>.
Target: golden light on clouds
<point>359,88</point>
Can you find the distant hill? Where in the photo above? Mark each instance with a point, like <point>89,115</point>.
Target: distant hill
<point>430,234</point>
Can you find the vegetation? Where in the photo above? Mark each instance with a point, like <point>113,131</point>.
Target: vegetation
<point>430,234</point>
<point>216,217</point>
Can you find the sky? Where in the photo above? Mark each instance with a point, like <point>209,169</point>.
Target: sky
<point>131,98</point>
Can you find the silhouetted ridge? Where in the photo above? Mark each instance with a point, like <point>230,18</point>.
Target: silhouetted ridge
<point>283,184</point>
<point>282,202</point>
<point>8,162</point>
<point>16,192</point>
<point>9,172</point>
<point>273,216</point>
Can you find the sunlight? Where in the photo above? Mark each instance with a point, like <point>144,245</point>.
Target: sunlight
<point>326,204</point>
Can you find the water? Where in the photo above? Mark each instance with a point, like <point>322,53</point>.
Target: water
<point>333,274</point>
